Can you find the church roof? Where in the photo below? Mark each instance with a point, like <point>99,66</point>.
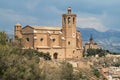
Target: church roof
<point>46,27</point>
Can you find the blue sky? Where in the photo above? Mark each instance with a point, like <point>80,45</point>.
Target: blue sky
<point>98,14</point>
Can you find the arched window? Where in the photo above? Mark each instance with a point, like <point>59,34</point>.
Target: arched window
<point>73,20</point>
<point>68,20</point>
<point>55,55</point>
<point>65,20</point>
<point>27,39</point>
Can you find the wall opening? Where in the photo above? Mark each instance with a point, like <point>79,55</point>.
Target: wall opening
<point>27,39</point>
<point>68,42</point>
<point>55,55</point>
<point>65,20</point>
<point>53,39</point>
<point>41,39</point>
<point>73,20</point>
<point>68,20</point>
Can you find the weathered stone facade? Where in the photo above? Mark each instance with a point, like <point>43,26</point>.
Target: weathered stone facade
<point>61,43</point>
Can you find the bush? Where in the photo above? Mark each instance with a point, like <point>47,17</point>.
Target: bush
<point>93,52</point>
<point>96,73</point>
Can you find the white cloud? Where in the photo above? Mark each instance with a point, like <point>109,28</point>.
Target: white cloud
<point>13,16</point>
<point>88,21</point>
<point>31,4</point>
<point>43,12</point>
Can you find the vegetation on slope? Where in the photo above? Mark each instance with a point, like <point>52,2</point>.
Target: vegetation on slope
<point>24,64</point>
<point>18,64</point>
<point>94,52</point>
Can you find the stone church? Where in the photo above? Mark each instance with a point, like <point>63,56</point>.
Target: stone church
<point>61,42</point>
<point>91,44</point>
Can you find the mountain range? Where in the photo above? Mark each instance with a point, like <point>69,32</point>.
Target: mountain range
<point>108,40</point>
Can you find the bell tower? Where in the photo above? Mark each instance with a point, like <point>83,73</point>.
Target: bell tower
<point>69,31</point>
<point>17,30</point>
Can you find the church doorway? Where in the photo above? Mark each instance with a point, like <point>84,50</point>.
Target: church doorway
<point>55,55</point>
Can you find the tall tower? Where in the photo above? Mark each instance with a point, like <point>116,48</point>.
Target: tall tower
<point>69,31</point>
<point>91,39</point>
<point>17,30</point>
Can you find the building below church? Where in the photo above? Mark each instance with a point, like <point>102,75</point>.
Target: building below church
<point>61,42</point>
<point>91,44</point>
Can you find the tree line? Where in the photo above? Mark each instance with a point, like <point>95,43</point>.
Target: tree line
<point>94,52</point>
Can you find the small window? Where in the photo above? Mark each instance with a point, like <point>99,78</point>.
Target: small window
<point>41,39</point>
<point>55,55</point>
<point>27,39</point>
<point>54,40</point>
<point>68,20</point>
<point>68,42</point>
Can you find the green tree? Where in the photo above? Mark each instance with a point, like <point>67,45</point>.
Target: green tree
<point>101,52</point>
<point>91,52</point>
<point>96,73</point>
<point>3,38</point>
<point>116,64</point>
<point>19,41</point>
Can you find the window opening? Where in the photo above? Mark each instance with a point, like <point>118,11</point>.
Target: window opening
<point>73,20</point>
<point>55,55</point>
<point>68,42</point>
<point>41,39</point>
<point>54,40</point>
<point>64,20</point>
<point>27,39</point>
<point>68,20</point>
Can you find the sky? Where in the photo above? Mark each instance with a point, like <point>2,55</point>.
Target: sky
<point>101,15</point>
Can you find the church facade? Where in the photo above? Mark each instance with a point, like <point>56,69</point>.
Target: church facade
<point>61,42</point>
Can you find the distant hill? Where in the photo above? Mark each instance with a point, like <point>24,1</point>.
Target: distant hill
<point>109,40</point>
